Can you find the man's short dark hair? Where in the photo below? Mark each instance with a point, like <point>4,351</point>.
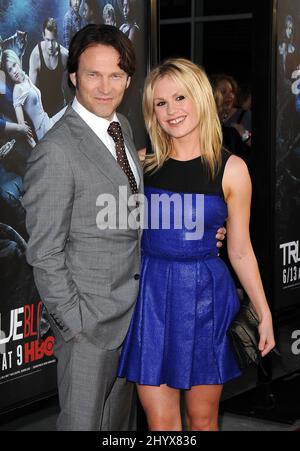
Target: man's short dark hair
<point>94,34</point>
<point>50,25</point>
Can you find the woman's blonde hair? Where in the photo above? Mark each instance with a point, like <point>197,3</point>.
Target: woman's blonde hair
<point>10,56</point>
<point>196,86</point>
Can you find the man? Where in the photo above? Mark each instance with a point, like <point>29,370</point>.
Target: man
<point>73,21</point>
<point>87,277</point>
<point>47,63</point>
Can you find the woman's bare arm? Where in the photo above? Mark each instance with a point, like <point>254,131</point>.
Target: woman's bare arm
<point>237,191</point>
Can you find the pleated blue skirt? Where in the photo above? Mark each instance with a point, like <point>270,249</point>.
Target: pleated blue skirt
<point>186,302</point>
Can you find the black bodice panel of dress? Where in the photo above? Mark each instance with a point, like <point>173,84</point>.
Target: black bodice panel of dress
<point>190,176</point>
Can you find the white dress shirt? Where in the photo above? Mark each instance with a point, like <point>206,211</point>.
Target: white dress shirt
<point>99,127</point>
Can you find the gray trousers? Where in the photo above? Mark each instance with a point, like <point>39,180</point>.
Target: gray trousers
<point>91,397</point>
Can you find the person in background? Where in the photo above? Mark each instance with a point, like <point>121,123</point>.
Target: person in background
<point>109,15</point>
<point>129,27</point>
<point>27,98</point>
<point>8,124</point>
<point>73,21</point>
<point>91,12</point>
<point>289,57</point>
<point>47,63</point>
<point>232,116</point>
<point>231,138</point>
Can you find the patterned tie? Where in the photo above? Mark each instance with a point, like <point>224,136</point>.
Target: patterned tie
<point>115,131</point>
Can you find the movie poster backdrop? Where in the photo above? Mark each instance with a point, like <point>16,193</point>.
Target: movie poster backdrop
<point>33,96</point>
<point>287,213</point>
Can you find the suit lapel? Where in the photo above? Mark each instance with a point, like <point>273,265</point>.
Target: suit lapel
<point>96,151</point>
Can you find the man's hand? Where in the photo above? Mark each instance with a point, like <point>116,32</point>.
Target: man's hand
<point>142,154</point>
<point>220,236</point>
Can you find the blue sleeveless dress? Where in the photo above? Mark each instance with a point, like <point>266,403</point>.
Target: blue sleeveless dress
<point>187,297</point>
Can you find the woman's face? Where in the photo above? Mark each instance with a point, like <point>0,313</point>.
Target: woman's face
<point>228,95</point>
<point>175,112</point>
<point>289,30</point>
<point>14,71</point>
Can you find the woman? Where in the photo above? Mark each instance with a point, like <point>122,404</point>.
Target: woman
<point>231,138</point>
<point>109,15</point>
<point>187,299</point>
<point>231,115</point>
<point>7,113</point>
<point>129,27</point>
<point>27,98</point>
<point>289,57</point>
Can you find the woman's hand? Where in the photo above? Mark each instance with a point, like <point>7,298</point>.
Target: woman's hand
<point>266,334</point>
<point>220,236</point>
<point>239,128</point>
<point>25,129</point>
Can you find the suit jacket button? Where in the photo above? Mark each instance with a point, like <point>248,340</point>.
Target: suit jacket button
<point>136,277</point>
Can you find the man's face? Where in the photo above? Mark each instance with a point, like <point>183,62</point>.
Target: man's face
<point>50,42</point>
<point>100,83</point>
<point>75,5</point>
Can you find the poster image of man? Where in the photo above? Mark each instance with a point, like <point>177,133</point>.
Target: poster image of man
<point>73,21</point>
<point>47,63</point>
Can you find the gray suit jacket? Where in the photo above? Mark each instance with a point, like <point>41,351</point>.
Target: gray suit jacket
<point>86,277</point>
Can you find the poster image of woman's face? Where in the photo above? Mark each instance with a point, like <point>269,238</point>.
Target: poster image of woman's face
<point>126,9</point>
<point>13,70</point>
<point>109,15</point>
<point>289,28</point>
